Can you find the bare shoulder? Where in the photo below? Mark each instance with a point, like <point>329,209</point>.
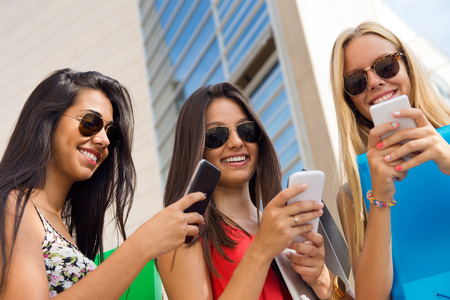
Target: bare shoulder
<point>344,197</point>
<point>30,224</point>
<point>346,208</point>
<point>184,273</point>
<point>26,261</point>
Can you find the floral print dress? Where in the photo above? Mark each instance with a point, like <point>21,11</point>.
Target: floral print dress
<point>64,263</point>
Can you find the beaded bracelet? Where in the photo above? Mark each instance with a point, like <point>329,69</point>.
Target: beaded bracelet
<point>379,203</point>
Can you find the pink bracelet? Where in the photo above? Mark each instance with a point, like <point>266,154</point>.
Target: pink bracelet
<point>379,203</point>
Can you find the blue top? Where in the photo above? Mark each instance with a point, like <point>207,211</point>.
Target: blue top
<point>420,224</point>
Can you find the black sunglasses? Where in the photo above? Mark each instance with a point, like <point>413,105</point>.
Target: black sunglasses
<point>91,124</point>
<point>385,67</point>
<point>216,137</point>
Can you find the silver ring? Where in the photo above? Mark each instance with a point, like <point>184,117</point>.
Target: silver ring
<point>296,221</point>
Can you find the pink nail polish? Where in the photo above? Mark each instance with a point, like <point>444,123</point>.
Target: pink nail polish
<point>397,113</point>
<point>395,124</point>
<point>398,168</point>
<point>387,158</point>
<point>379,145</point>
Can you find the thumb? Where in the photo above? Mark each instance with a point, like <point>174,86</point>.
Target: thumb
<point>286,194</point>
<point>189,199</point>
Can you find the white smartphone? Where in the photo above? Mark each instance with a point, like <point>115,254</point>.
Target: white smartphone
<point>205,178</point>
<point>383,113</point>
<point>315,179</point>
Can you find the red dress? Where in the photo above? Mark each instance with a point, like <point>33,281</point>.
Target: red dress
<point>273,288</point>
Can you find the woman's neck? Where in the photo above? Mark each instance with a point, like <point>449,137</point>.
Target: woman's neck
<point>53,195</point>
<point>235,203</point>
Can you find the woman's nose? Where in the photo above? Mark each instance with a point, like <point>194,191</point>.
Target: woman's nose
<point>101,138</point>
<point>373,80</point>
<point>234,140</point>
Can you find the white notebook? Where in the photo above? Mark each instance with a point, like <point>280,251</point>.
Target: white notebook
<point>299,289</point>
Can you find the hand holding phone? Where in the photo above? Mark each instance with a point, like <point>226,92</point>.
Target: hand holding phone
<point>383,113</point>
<point>315,179</point>
<point>205,178</point>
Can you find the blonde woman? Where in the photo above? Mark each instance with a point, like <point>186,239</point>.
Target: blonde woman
<point>369,64</point>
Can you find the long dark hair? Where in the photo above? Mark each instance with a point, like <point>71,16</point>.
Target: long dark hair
<point>188,150</point>
<point>24,163</point>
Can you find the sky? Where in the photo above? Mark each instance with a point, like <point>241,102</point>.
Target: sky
<point>425,17</point>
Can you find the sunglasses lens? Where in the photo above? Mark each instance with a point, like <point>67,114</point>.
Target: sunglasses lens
<point>387,68</point>
<point>90,124</point>
<point>113,136</point>
<point>355,84</point>
<point>249,132</point>
<point>216,137</point>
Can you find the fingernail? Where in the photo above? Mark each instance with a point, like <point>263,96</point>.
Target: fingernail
<point>380,145</point>
<point>396,113</point>
<point>387,158</point>
<point>395,124</point>
<point>398,168</point>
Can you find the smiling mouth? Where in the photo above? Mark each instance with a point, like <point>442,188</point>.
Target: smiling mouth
<point>89,155</point>
<point>382,99</point>
<point>234,159</point>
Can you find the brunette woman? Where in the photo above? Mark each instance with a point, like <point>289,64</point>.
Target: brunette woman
<point>68,160</point>
<point>232,259</point>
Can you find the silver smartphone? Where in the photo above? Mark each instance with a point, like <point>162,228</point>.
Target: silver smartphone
<point>383,113</point>
<point>315,179</point>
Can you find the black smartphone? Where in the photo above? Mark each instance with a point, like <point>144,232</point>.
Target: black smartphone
<point>205,178</point>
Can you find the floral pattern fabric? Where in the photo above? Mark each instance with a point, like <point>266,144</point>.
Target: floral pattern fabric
<point>64,262</point>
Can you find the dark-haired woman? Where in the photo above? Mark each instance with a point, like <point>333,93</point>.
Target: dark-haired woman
<point>67,161</point>
<point>232,259</point>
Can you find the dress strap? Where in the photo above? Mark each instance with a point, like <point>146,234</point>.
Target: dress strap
<point>44,221</point>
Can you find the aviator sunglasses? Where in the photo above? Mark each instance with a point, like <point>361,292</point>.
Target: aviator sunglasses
<point>91,124</point>
<point>216,137</point>
<point>385,67</point>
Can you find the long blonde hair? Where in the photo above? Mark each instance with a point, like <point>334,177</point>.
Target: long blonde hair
<point>354,128</point>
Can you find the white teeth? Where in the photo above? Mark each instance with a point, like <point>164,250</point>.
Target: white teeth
<point>234,159</point>
<point>384,98</point>
<point>89,155</point>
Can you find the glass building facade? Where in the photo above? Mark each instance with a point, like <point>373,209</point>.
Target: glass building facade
<point>191,43</point>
